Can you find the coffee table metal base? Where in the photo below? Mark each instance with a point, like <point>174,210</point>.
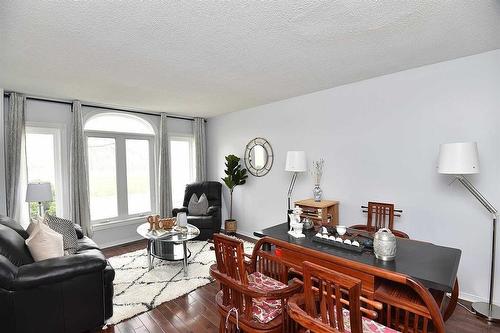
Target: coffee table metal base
<point>168,251</point>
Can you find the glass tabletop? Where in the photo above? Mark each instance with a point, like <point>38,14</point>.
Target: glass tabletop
<point>176,234</point>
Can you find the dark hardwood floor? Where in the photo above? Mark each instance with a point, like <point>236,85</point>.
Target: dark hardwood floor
<point>197,312</point>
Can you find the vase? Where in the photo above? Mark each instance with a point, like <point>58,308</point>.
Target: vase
<point>317,192</point>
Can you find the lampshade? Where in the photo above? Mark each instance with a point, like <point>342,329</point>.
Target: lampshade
<point>39,192</point>
<point>460,158</point>
<point>296,161</point>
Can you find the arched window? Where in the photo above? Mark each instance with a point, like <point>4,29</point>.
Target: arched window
<point>121,166</point>
<point>119,122</point>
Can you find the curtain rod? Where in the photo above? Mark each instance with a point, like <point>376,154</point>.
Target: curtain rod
<point>66,102</point>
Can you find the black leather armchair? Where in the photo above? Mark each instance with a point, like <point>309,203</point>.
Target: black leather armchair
<point>69,294</point>
<point>210,223</point>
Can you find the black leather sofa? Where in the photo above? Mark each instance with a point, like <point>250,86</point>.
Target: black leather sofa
<point>69,294</point>
<point>210,223</point>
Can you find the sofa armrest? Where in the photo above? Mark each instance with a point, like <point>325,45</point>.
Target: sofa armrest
<point>212,210</point>
<point>175,211</point>
<point>59,269</point>
<point>79,231</point>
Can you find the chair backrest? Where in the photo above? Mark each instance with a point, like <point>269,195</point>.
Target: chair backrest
<point>327,293</point>
<point>211,189</point>
<point>380,215</point>
<point>229,253</point>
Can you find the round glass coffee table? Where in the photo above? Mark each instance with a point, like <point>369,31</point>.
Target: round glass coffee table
<point>168,244</point>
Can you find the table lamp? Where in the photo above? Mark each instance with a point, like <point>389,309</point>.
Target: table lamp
<point>39,192</point>
<point>460,159</point>
<point>295,162</point>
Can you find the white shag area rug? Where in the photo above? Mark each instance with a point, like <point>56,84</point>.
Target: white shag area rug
<point>137,290</point>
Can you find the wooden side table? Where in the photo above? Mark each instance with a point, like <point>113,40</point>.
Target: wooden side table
<point>320,211</point>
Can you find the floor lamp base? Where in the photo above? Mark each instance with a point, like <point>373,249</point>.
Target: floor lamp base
<point>483,309</point>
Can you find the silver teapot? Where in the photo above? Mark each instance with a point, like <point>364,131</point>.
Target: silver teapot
<point>384,244</point>
<point>308,224</point>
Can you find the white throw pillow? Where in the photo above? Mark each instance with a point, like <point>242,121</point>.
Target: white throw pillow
<point>45,243</point>
<point>33,223</point>
<point>198,207</point>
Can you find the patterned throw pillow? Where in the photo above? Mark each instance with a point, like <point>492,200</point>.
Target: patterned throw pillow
<point>66,229</point>
<point>198,207</point>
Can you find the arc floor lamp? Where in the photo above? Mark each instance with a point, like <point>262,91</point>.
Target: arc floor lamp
<point>295,162</point>
<point>460,159</point>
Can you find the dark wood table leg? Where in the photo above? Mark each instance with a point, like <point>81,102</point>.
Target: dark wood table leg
<point>452,303</point>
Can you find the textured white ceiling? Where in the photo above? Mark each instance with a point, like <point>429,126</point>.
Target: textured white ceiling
<point>210,57</point>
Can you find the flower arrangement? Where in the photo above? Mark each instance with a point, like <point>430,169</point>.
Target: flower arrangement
<point>317,170</point>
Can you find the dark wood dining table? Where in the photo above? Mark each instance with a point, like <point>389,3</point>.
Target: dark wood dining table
<point>432,265</point>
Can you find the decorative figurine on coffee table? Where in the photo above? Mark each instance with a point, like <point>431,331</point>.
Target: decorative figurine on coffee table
<point>154,222</point>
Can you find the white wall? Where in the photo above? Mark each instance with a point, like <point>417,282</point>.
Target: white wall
<point>57,114</point>
<point>380,140</point>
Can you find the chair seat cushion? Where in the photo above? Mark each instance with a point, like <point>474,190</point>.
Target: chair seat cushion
<point>265,310</point>
<point>369,325</point>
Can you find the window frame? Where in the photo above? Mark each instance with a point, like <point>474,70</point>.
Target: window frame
<point>61,163</point>
<point>192,153</point>
<point>121,171</point>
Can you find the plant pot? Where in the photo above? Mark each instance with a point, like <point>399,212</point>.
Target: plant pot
<point>230,226</point>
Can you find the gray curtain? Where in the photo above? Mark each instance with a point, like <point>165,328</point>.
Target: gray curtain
<point>80,204</point>
<point>200,143</point>
<point>165,181</point>
<point>15,155</point>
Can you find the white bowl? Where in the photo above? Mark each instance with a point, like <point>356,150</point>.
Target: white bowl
<point>341,229</point>
<point>339,240</point>
<point>355,243</point>
<point>347,241</point>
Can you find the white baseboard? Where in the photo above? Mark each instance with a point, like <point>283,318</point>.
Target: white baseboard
<point>250,235</point>
<point>473,298</point>
<point>120,242</point>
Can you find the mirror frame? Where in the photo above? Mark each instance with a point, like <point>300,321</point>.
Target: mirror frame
<point>270,157</point>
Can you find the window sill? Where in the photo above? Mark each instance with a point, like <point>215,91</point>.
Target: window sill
<point>119,223</point>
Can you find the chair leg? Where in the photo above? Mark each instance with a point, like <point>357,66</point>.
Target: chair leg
<point>452,304</point>
<point>222,327</point>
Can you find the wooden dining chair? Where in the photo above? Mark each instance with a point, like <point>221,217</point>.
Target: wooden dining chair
<point>331,303</point>
<point>250,299</point>
<point>380,215</point>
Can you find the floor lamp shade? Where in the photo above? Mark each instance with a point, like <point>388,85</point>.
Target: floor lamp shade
<point>39,192</point>
<point>296,161</point>
<point>460,158</point>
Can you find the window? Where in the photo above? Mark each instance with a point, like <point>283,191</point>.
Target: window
<point>181,166</point>
<point>44,164</point>
<point>121,167</point>
<point>102,180</point>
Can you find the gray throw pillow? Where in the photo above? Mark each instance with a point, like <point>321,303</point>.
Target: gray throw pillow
<point>198,207</point>
<point>67,229</point>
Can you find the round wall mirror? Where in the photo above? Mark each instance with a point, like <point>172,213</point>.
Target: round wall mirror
<point>258,157</point>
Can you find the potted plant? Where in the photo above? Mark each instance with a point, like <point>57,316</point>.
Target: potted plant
<point>235,175</point>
